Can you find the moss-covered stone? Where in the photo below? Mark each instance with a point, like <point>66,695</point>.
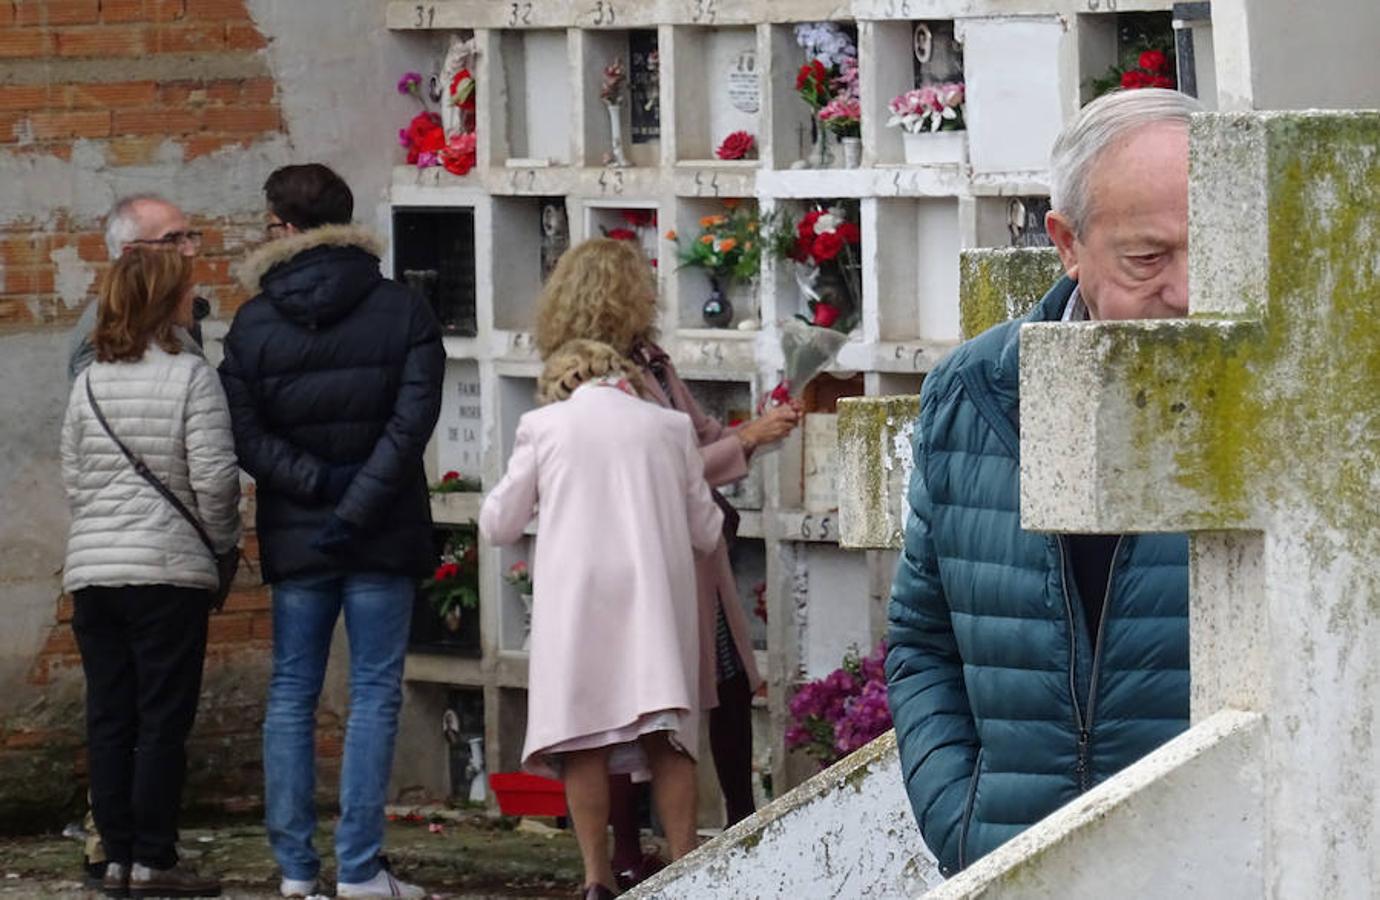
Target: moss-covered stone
<point>998,285</point>
<point>1284,407</point>
<point>870,468</point>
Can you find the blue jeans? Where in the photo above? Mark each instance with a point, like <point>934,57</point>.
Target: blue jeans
<point>378,610</point>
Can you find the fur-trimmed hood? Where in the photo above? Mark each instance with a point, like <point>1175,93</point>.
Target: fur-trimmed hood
<point>317,277</point>
<point>274,253</point>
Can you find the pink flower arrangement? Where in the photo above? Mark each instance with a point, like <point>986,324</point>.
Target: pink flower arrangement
<point>933,107</point>
<point>843,711</point>
<point>843,116</point>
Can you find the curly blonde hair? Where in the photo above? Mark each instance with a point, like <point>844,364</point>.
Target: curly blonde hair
<point>602,290</point>
<point>578,361</point>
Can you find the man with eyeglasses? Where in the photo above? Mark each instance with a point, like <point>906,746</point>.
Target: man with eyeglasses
<point>145,220</point>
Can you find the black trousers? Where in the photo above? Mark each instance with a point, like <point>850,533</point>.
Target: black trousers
<point>142,648</point>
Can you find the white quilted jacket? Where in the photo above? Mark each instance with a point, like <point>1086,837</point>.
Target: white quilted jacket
<point>170,410</point>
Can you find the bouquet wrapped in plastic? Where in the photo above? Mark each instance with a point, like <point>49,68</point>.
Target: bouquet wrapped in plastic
<point>821,248</point>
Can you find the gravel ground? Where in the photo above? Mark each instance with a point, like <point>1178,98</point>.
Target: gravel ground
<point>459,856</point>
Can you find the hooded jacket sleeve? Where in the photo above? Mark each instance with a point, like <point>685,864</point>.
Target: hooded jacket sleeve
<point>935,732</point>
<point>416,408</point>
<point>268,458</point>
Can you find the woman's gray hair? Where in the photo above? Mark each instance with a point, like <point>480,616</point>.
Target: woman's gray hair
<point>1098,126</point>
<point>122,224</point>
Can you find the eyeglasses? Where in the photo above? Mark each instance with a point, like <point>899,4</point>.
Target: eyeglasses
<point>273,229</point>
<point>177,239</point>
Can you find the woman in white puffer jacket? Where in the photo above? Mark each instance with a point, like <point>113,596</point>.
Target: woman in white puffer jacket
<point>140,575</point>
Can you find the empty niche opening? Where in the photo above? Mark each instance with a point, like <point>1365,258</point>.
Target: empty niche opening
<point>536,73</point>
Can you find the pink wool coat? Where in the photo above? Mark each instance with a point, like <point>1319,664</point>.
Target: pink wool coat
<point>725,461</point>
<point>620,490</point>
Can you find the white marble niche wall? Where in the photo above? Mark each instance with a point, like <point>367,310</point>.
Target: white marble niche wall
<point>537,86</point>
<point>718,88</point>
<point>516,266</point>
<point>835,615</point>
<point>459,433</point>
<point>1021,87</point>
<point>910,269</point>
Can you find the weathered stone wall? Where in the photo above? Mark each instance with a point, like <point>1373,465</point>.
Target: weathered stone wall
<point>197,100</point>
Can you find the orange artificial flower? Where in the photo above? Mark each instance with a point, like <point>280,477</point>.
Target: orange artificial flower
<point>706,239</point>
<point>726,245</point>
<point>670,234</point>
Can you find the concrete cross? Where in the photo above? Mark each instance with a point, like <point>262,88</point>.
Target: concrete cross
<point>1255,425</point>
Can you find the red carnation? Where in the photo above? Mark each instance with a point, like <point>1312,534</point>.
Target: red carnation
<point>1162,81</point>
<point>802,77</point>
<point>1154,61</point>
<point>781,394</point>
<point>736,146</point>
<point>621,234</point>
<point>826,315</point>
<point>639,218</point>
<point>806,228</point>
<point>1134,80</point>
<point>424,135</point>
<point>826,246</point>
<point>849,232</point>
<point>450,476</point>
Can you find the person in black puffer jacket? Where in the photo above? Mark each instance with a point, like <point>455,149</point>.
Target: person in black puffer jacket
<point>333,374</point>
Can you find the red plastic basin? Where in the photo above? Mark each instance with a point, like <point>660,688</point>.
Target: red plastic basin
<point>521,794</point>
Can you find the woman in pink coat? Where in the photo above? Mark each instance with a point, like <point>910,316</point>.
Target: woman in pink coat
<point>619,488</point>
<point>603,290</point>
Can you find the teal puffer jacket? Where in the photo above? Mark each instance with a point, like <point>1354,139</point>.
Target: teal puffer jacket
<point>1005,707</point>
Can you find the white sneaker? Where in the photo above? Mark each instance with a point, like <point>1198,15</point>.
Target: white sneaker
<point>299,890</point>
<point>382,885</point>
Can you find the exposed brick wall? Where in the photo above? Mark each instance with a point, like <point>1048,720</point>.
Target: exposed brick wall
<point>144,85</point>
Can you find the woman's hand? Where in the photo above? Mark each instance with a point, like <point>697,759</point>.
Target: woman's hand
<point>771,426</point>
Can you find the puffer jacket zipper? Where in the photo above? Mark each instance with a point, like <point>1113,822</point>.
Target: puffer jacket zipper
<point>1085,737</point>
<point>1081,767</point>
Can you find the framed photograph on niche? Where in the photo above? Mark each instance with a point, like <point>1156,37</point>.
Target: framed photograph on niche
<point>644,86</point>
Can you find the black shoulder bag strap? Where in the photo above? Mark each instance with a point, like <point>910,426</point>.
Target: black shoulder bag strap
<point>145,473</point>
<point>656,361</point>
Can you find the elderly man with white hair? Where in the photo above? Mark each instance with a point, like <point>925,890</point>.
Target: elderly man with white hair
<point>143,220</point>
<point>1026,668</point>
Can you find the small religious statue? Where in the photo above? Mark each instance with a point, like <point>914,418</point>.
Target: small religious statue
<point>555,235</point>
<point>456,86</point>
<point>611,92</point>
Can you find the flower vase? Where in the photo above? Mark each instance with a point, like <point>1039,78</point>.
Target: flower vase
<point>617,157</point>
<point>931,148</point>
<point>452,620</point>
<point>852,152</point>
<point>717,310</point>
<point>823,151</point>
<point>526,622</point>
